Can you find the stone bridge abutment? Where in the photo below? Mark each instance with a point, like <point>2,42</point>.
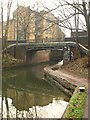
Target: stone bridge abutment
<point>35,56</point>
<point>42,52</point>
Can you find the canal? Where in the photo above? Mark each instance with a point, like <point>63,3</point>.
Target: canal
<point>25,94</point>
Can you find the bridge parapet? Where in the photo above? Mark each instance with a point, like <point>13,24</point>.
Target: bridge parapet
<point>44,46</point>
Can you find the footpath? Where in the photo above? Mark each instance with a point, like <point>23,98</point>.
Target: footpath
<point>72,78</point>
<point>77,80</point>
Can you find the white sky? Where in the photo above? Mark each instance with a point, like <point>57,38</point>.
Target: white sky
<point>33,5</point>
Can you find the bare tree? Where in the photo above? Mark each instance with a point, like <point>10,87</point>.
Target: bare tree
<point>70,15</point>
<point>89,33</point>
<point>2,17</point>
<point>89,24</point>
<point>67,12</point>
<point>7,25</point>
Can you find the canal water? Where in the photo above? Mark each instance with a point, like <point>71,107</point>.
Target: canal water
<point>25,94</point>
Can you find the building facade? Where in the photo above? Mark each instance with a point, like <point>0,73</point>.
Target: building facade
<point>50,27</point>
<point>34,26</point>
<point>80,34</point>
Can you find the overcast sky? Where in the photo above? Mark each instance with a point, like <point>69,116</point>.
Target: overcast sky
<point>34,4</point>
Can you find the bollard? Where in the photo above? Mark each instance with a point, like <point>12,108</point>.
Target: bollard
<point>82,89</point>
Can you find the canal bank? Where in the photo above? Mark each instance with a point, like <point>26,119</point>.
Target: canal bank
<point>69,83</point>
<point>66,78</point>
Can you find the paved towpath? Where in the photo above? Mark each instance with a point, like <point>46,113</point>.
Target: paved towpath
<point>79,80</point>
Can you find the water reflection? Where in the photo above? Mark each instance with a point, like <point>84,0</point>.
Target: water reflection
<point>54,109</point>
<point>26,95</point>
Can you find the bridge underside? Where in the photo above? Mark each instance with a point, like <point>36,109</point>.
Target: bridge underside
<point>37,56</point>
<point>33,56</point>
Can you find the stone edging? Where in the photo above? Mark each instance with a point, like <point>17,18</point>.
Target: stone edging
<point>62,83</point>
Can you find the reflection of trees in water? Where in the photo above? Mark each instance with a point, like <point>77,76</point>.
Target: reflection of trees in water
<point>22,105</point>
<point>8,113</point>
<point>26,81</point>
<point>4,99</point>
<point>22,100</point>
<point>1,112</point>
<point>31,113</point>
<point>25,91</point>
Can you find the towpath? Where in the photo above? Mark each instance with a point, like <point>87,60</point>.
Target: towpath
<point>72,78</point>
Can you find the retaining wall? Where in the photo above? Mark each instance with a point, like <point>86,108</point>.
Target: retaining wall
<point>62,83</point>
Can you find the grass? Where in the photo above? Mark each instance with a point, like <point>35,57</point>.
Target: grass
<point>76,105</point>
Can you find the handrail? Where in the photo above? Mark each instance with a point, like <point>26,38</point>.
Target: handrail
<point>84,49</point>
